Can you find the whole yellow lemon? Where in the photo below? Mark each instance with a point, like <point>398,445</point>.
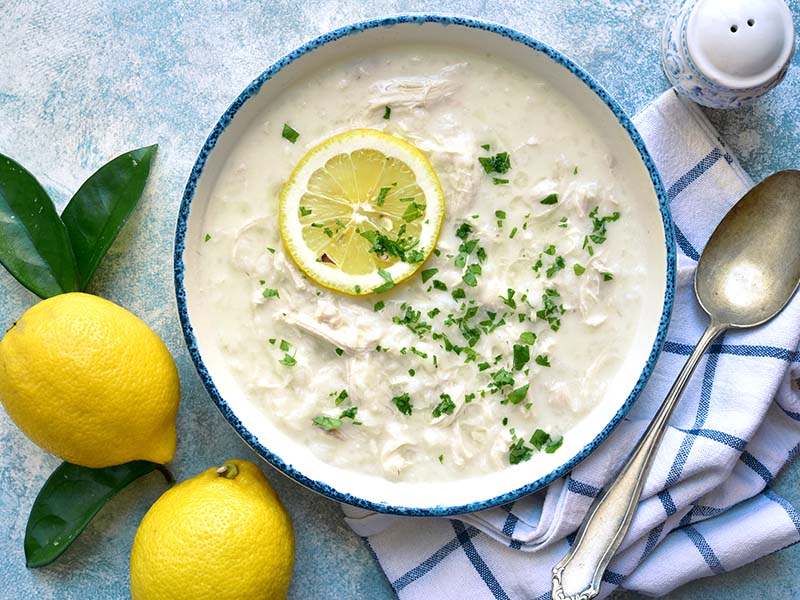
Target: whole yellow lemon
<point>88,381</point>
<point>222,535</point>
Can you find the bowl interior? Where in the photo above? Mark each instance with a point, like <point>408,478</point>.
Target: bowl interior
<point>636,175</point>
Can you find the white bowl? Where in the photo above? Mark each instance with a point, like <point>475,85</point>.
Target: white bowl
<point>636,172</point>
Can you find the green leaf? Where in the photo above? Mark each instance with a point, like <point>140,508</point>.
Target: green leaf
<point>327,423</point>
<point>518,395</point>
<point>553,446</point>
<point>70,498</point>
<point>522,354</point>
<point>99,209</point>
<point>34,245</point>
<point>539,439</point>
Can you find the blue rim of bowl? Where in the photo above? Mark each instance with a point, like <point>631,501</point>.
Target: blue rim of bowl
<point>180,242</point>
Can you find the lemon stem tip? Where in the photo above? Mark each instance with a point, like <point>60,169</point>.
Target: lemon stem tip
<point>228,470</point>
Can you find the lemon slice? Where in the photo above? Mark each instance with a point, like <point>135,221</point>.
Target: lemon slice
<point>361,212</point>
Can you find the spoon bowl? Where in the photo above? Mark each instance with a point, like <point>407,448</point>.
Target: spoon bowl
<point>745,276</point>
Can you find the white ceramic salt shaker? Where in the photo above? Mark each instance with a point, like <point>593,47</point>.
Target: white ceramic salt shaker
<point>727,53</point>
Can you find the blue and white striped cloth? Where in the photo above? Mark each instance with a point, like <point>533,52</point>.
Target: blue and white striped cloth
<point>707,506</point>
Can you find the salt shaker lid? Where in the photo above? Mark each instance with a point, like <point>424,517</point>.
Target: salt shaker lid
<point>740,43</point>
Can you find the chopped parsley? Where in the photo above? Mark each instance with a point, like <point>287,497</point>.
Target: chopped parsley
<point>471,333</point>
<point>378,306</point>
<point>499,163</point>
<point>441,458</point>
<point>439,285</point>
<point>543,360</point>
<point>551,312</point>
<point>518,395</point>
<point>404,248</point>
<point>418,352</point>
<point>501,378</point>
<point>339,351</point>
<point>509,300</point>
<point>486,147</point>
<point>557,266</point>
<point>327,423</point>
<point>607,276</point>
<point>553,446</point>
<point>579,269</point>
<point>427,274</point>
<point>403,403</point>
<point>387,113</point>
<point>413,211</point>
<point>539,439</point>
<point>411,319</point>
<point>463,231</point>
<point>289,133</point>
<point>470,275</point>
<point>446,406</point>
<point>340,397</point>
<point>208,236</point>
<point>551,199</point>
<point>522,355</point>
<point>519,452</point>
<point>270,293</point>
<point>382,196</point>
<point>512,234</point>
<point>304,212</point>
<point>349,413</point>
<point>499,181</point>
<point>387,277</point>
<point>563,222</point>
<point>527,337</point>
<point>599,233</point>
<point>288,360</point>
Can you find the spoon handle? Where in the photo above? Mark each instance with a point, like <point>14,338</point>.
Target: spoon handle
<point>578,575</point>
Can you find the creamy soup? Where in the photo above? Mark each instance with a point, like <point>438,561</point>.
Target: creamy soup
<point>502,341</point>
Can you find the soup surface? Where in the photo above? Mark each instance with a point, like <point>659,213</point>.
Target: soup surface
<point>506,337</point>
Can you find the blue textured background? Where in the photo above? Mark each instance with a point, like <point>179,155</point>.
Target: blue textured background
<point>82,81</point>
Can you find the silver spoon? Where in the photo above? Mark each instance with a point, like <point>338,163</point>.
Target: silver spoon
<point>749,270</point>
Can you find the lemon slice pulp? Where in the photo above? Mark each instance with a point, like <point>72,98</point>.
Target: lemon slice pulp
<point>361,212</point>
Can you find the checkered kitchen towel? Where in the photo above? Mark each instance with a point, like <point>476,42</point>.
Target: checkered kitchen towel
<point>707,506</point>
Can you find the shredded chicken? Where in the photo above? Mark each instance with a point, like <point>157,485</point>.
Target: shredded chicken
<point>415,92</point>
